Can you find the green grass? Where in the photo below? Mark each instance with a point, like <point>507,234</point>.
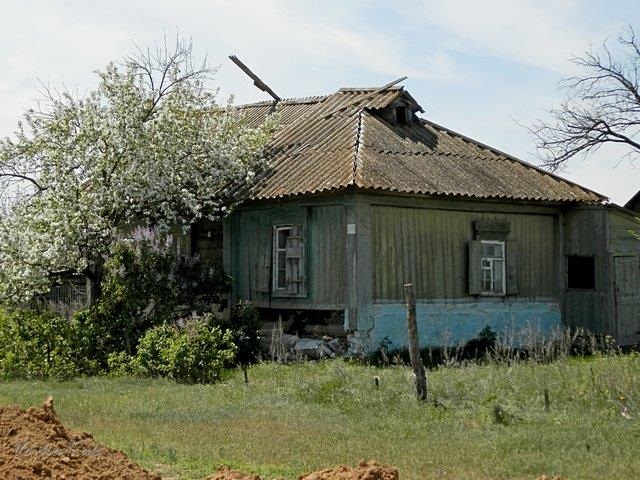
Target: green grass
<point>296,418</point>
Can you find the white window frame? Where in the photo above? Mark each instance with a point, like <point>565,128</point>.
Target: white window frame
<point>503,291</point>
<point>276,256</point>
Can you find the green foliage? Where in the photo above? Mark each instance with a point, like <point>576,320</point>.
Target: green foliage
<point>504,415</point>
<point>195,353</point>
<point>147,289</point>
<point>147,284</point>
<point>244,323</point>
<point>120,364</point>
<point>35,344</point>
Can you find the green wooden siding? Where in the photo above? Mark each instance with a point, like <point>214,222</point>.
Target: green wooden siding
<point>326,254</point>
<point>620,238</point>
<point>428,247</point>
<point>324,242</point>
<point>586,235</point>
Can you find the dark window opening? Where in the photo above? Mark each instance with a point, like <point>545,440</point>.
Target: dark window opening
<point>581,272</point>
<point>401,115</point>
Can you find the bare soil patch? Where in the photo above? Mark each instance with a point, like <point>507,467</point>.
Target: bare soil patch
<point>364,471</point>
<point>34,444</point>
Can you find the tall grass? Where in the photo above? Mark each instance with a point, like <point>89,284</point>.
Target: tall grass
<point>486,420</point>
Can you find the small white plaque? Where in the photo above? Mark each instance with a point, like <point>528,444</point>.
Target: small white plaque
<point>351,228</point>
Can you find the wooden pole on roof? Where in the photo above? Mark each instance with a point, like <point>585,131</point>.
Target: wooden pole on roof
<point>256,80</point>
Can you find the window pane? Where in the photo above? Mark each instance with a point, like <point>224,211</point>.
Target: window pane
<point>282,278</point>
<point>282,237</point>
<point>281,259</point>
<point>486,280</point>
<point>497,276</point>
<point>492,250</point>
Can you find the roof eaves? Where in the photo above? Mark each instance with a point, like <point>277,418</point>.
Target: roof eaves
<point>512,158</point>
<point>285,101</point>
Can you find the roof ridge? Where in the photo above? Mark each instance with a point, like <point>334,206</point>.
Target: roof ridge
<point>287,101</point>
<point>509,156</point>
<point>369,89</point>
<point>356,153</point>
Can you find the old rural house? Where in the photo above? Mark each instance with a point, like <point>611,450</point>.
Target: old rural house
<point>364,196</point>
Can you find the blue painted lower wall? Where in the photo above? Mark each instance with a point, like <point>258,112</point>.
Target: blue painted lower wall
<point>448,323</point>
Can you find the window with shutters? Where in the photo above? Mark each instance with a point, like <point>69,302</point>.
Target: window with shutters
<point>288,261</point>
<point>492,268</point>
<point>493,260</point>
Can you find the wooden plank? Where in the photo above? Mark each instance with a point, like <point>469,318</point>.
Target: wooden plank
<point>364,274</point>
<point>351,279</point>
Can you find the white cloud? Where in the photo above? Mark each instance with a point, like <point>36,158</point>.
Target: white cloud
<point>540,33</point>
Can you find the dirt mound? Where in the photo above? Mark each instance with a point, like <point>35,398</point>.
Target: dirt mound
<point>34,444</point>
<point>225,473</point>
<point>364,471</point>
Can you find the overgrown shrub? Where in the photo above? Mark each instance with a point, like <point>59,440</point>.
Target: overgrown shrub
<point>38,344</point>
<point>243,323</point>
<point>197,352</point>
<point>147,284</point>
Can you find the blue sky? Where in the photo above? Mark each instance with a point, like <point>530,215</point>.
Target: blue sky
<point>476,67</point>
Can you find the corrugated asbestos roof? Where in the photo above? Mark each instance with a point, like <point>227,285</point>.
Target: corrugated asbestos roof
<point>340,140</point>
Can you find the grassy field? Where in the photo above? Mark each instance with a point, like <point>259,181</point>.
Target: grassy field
<point>487,421</point>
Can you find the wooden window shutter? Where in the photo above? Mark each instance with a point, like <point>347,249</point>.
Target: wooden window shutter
<point>261,253</point>
<point>295,263</point>
<point>475,256</point>
<point>512,256</point>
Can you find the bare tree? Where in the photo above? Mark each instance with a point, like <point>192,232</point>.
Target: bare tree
<point>602,106</point>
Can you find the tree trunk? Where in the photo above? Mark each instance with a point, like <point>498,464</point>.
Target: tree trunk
<point>94,275</point>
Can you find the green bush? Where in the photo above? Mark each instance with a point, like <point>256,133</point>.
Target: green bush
<point>36,344</point>
<point>197,352</point>
<point>147,284</point>
<point>243,323</point>
<point>120,363</point>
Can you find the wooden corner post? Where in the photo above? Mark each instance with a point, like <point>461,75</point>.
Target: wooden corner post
<point>414,347</point>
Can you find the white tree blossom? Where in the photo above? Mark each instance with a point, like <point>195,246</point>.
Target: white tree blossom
<point>150,145</point>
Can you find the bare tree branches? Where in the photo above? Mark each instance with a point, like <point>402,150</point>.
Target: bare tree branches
<point>602,106</point>
<point>164,67</point>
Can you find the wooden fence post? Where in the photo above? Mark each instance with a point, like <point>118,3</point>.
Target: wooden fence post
<point>414,347</point>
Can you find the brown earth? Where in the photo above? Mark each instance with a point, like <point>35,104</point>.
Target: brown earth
<point>225,473</point>
<point>34,444</point>
<point>364,471</point>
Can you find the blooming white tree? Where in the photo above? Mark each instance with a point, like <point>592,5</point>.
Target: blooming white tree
<point>150,145</point>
